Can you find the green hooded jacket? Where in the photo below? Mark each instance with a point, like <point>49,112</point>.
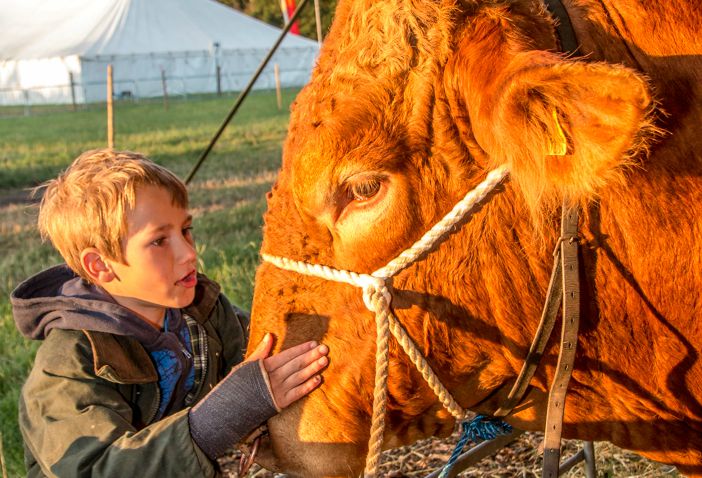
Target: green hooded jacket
<point>89,403</point>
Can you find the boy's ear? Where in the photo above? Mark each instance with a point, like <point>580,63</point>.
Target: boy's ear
<point>95,266</point>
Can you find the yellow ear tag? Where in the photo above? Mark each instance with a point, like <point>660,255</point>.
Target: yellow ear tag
<point>560,146</point>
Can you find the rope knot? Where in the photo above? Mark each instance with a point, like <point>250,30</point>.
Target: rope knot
<point>375,292</point>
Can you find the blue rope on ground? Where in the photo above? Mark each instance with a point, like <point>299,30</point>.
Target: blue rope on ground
<point>480,428</point>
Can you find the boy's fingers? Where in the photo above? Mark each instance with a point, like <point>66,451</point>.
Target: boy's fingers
<point>296,357</point>
<point>299,375</point>
<point>263,349</point>
<point>299,363</point>
<point>300,391</point>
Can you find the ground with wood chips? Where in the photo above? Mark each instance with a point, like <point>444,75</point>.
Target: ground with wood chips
<point>521,459</point>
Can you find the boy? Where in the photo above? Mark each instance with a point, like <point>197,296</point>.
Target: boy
<point>133,376</point>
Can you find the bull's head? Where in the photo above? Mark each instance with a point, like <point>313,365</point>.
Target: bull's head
<point>410,104</point>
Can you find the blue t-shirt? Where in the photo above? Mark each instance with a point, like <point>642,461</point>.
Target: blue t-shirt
<point>169,368</point>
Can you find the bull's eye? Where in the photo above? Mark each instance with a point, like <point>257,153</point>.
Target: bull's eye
<point>364,190</point>
<point>362,197</point>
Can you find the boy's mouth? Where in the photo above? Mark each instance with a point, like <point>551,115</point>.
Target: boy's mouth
<point>189,280</point>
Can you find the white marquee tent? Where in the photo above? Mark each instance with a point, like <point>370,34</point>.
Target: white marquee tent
<point>58,51</point>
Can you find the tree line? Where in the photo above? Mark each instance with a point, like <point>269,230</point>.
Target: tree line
<point>270,12</point>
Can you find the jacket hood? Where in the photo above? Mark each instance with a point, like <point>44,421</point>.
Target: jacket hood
<point>58,298</point>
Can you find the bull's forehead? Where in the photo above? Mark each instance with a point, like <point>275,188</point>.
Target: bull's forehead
<point>372,41</point>
<point>389,34</point>
<point>372,81</point>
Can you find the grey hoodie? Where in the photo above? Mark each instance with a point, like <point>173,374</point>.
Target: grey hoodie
<point>57,298</point>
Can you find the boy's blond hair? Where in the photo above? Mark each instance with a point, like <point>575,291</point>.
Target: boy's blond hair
<point>87,205</point>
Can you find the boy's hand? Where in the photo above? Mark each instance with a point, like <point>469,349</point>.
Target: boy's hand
<point>293,372</point>
<point>233,408</point>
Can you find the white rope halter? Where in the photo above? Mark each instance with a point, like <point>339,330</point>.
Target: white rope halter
<point>377,298</point>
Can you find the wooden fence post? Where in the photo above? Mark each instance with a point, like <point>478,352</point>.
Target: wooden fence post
<point>27,105</point>
<point>2,459</point>
<point>276,74</point>
<point>73,90</point>
<point>318,21</point>
<point>110,111</point>
<point>219,80</point>
<point>165,89</point>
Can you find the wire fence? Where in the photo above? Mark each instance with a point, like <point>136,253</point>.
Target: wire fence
<point>43,99</point>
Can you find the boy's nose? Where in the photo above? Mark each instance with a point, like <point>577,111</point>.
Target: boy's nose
<point>187,252</point>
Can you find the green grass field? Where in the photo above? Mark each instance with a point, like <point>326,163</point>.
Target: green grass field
<point>227,198</point>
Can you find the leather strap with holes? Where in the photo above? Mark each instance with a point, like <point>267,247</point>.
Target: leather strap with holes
<point>538,345</point>
<point>569,338</point>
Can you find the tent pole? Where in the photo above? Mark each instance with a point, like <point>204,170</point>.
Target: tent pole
<point>246,91</point>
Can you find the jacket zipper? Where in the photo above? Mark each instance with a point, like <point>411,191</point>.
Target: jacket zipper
<point>205,362</point>
<point>154,409</point>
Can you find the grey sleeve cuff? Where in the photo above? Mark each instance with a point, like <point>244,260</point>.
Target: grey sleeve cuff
<point>236,406</point>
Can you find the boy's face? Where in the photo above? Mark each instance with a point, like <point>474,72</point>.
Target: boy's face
<point>160,258</point>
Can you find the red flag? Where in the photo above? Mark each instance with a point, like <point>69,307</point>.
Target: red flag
<point>290,7</point>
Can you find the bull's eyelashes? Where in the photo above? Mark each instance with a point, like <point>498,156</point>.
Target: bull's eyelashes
<point>361,192</point>
<point>364,190</point>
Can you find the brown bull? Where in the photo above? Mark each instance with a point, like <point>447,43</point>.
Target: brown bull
<point>412,102</point>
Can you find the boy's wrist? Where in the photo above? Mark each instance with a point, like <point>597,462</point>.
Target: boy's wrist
<point>237,405</point>
<point>267,379</point>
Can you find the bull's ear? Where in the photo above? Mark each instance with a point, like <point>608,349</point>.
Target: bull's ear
<point>564,127</point>
<point>568,128</point>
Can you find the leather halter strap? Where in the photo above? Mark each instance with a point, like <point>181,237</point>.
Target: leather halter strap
<point>566,34</point>
<point>542,335</point>
<point>564,287</point>
<point>570,321</point>
<point>570,318</point>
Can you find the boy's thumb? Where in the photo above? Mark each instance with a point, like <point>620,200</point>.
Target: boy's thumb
<point>262,349</point>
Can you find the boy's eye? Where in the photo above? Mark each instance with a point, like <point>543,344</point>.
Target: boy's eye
<point>188,231</point>
<point>158,242</point>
